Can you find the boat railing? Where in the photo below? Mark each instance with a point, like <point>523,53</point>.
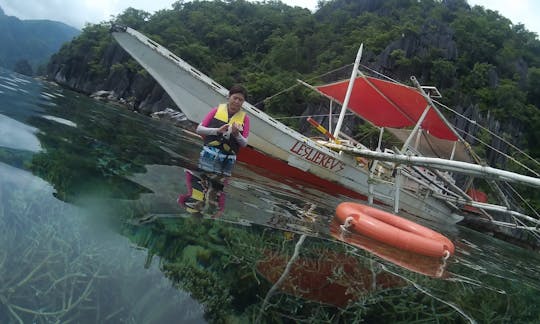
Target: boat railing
<point>415,182</point>
<point>415,178</point>
<point>345,139</point>
<point>421,174</point>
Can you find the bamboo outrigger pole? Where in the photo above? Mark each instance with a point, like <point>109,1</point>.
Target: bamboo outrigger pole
<point>442,164</point>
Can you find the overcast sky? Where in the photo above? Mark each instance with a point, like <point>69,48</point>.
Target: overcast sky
<point>78,12</point>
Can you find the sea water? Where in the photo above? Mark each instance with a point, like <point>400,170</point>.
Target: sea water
<point>92,232</point>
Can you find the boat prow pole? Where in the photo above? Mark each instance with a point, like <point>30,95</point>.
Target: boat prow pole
<point>349,91</point>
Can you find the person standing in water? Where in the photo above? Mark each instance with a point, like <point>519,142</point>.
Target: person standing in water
<point>225,130</point>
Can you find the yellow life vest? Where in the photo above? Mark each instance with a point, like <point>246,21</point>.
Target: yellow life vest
<point>222,114</point>
<point>228,146</point>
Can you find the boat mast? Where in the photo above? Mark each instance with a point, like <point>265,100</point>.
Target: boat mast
<point>443,118</point>
<point>330,117</point>
<point>349,91</point>
<point>416,128</point>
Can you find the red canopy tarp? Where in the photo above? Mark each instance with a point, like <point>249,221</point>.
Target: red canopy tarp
<point>388,104</point>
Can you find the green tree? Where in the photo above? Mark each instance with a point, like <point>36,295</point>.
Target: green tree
<point>533,86</point>
<point>133,18</point>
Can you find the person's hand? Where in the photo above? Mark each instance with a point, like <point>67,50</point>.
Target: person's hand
<point>223,129</point>
<point>235,129</point>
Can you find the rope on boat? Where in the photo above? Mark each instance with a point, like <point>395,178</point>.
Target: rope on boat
<point>442,266</point>
<point>438,104</point>
<point>305,116</point>
<point>473,154</point>
<point>277,94</point>
<point>297,84</point>
<point>283,276</point>
<point>490,132</point>
<point>524,200</point>
<point>504,154</point>
<point>347,224</point>
<point>379,73</point>
<point>475,123</point>
<point>446,255</point>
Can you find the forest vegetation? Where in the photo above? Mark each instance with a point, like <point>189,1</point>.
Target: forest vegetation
<point>486,67</point>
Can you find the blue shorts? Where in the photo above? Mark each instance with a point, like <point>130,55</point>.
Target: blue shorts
<point>213,160</point>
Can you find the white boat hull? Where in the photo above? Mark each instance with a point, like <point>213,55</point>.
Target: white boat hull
<point>195,94</point>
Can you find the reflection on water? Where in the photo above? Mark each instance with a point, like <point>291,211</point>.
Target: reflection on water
<point>429,266</point>
<point>55,266</point>
<point>93,230</point>
<point>205,194</point>
<point>18,136</point>
<point>327,276</point>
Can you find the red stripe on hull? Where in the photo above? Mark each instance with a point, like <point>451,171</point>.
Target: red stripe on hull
<point>279,169</point>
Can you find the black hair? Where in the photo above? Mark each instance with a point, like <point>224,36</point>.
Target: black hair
<point>237,88</point>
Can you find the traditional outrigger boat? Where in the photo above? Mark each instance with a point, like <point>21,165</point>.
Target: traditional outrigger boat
<point>409,179</point>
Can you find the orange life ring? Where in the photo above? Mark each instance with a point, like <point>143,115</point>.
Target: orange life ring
<point>393,230</point>
<point>423,264</point>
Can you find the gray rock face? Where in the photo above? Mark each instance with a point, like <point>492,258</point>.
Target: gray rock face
<point>433,34</point>
<point>140,92</point>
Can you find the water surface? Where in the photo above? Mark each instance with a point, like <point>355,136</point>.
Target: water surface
<point>92,232</point>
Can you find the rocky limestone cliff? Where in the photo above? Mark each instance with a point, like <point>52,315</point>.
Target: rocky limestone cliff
<point>138,90</point>
<point>142,93</point>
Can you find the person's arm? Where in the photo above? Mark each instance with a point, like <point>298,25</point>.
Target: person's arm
<point>242,137</point>
<point>241,140</point>
<point>203,129</point>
